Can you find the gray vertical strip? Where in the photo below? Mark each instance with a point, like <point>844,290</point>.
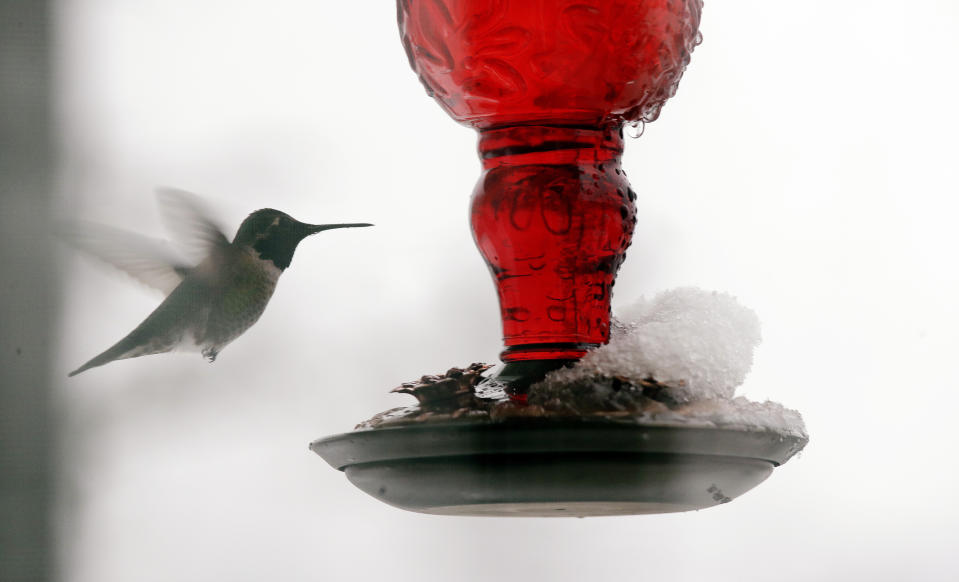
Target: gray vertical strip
<point>28,295</point>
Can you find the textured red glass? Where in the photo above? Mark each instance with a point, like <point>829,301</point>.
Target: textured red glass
<point>552,215</point>
<point>570,62</point>
<point>549,85</point>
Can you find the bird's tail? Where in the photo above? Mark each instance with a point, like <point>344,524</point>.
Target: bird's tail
<point>91,364</point>
<point>131,346</point>
<point>114,353</point>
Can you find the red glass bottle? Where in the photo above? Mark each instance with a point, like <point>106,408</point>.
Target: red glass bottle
<point>549,85</point>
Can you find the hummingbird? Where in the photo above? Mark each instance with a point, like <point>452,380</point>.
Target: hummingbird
<point>211,300</point>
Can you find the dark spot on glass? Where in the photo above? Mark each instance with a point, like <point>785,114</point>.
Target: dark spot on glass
<point>517,313</point>
<point>556,312</point>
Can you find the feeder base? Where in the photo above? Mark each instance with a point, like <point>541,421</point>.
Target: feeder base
<point>552,468</point>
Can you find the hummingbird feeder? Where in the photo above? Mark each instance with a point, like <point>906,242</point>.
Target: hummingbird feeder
<point>549,85</point>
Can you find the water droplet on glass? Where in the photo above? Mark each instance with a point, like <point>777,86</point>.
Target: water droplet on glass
<point>652,113</point>
<point>635,129</point>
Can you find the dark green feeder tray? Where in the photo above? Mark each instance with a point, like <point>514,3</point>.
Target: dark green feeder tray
<point>555,467</point>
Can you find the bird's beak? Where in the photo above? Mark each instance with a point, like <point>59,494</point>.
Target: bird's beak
<point>315,228</point>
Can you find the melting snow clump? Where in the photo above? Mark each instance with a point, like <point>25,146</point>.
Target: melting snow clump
<point>677,357</point>
<point>698,342</point>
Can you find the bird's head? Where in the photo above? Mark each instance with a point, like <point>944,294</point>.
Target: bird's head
<point>274,235</point>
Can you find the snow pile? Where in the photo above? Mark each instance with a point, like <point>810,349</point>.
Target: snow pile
<point>699,343</point>
<point>740,412</point>
<point>675,359</point>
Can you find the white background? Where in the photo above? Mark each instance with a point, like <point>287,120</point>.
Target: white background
<point>807,166</point>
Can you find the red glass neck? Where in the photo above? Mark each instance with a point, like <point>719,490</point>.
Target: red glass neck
<point>552,215</point>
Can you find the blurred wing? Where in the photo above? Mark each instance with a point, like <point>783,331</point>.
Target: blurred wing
<point>189,221</point>
<point>151,261</point>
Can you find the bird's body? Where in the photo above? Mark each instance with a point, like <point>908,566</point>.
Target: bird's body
<point>220,298</point>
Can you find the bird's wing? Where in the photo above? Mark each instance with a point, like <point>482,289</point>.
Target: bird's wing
<point>189,221</point>
<point>151,261</point>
